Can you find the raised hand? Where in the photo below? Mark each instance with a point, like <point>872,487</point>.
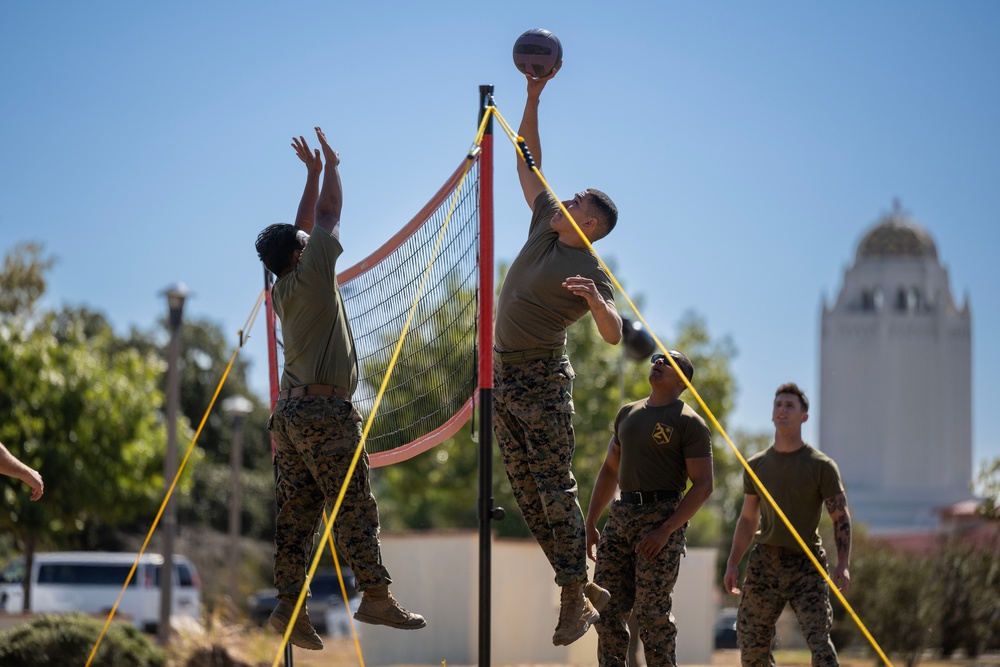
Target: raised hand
<point>332,156</point>
<point>312,160</point>
<point>535,85</point>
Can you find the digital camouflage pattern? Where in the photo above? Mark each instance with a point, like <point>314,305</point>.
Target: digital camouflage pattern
<point>533,423</point>
<point>639,583</point>
<point>773,579</point>
<point>315,438</point>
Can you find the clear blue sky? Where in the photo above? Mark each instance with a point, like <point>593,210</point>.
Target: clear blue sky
<point>748,145</point>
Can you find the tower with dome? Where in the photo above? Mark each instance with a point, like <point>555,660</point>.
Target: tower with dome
<point>895,408</point>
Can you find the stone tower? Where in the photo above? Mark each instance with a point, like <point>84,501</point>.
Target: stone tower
<point>896,381</point>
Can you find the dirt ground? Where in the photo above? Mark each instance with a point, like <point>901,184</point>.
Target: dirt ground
<point>341,653</point>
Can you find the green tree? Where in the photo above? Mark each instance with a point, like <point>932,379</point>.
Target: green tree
<point>205,354</point>
<point>81,409</point>
<point>968,579</point>
<point>893,592</point>
<point>988,489</point>
<point>22,280</point>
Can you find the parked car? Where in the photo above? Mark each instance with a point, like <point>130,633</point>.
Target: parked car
<point>725,629</point>
<point>91,581</point>
<point>326,604</point>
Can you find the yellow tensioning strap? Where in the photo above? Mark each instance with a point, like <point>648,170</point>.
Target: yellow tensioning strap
<point>244,335</point>
<point>519,145</point>
<point>371,417</point>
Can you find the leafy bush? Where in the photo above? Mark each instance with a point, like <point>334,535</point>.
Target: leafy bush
<point>67,639</point>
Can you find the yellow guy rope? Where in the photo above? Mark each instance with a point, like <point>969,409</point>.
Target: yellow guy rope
<point>371,417</point>
<point>180,469</point>
<point>518,142</point>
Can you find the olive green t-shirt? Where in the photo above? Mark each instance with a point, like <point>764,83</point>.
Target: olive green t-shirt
<point>318,344</point>
<point>655,442</point>
<point>799,482</point>
<point>534,309</point>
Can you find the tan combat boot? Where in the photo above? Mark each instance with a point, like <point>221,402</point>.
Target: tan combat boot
<point>598,596</point>
<point>303,633</point>
<point>378,607</point>
<point>576,615</point>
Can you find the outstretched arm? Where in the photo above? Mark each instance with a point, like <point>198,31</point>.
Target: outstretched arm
<point>10,465</point>
<point>836,506</point>
<point>604,491</point>
<point>746,526</point>
<point>528,130</point>
<point>331,199</point>
<point>304,218</point>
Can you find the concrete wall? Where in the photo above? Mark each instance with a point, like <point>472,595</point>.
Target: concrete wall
<point>437,575</point>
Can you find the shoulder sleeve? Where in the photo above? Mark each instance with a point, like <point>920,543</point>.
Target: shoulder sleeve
<point>830,483</point>
<point>542,210</point>
<point>321,254</point>
<point>698,438</point>
<point>749,488</point>
<point>622,413</point>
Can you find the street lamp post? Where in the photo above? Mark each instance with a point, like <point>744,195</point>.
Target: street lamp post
<point>176,295</point>
<point>239,407</point>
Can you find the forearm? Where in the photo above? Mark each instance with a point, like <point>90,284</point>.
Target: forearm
<point>842,538</point>
<point>531,187</point>
<point>11,466</point>
<point>331,200</point>
<point>304,217</point>
<point>604,493</point>
<point>8,464</point>
<point>528,129</point>
<point>609,322</point>
<point>689,505</point>
<point>742,537</point>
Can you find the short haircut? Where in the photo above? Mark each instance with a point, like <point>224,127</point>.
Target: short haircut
<point>605,211</point>
<point>684,363</point>
<point>275,246</point>
<point>792,388</point>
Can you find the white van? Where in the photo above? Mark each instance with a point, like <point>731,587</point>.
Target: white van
<point>90,581</point>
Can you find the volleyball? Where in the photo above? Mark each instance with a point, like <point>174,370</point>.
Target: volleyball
<point>537,52</point>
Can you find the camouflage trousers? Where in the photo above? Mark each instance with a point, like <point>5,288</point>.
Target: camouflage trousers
<point>639,583</point>
<point>772,580</point>
<point>315,438</point>
<point>533,423</point>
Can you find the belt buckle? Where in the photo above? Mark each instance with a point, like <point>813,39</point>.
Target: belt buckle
<point>642,501</point>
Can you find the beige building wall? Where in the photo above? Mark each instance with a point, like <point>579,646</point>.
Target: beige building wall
<point>895,408</point>
<point>437,575</point>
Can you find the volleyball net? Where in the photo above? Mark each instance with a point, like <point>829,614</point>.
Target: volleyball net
<point>429,272</point>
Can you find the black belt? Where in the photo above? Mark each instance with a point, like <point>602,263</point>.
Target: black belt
<point>647,497</point>
<point>780,551</point>
<point>522,356</point>
<point>314,390</point>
